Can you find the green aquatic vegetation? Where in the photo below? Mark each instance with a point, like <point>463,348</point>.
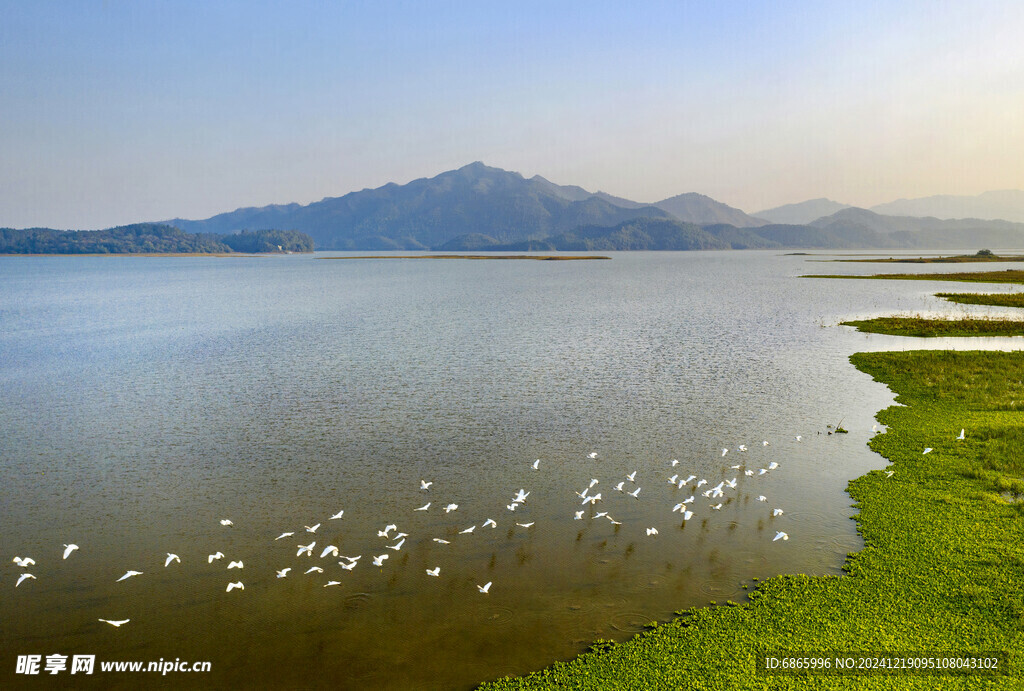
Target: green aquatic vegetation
<point>940,570</point>
<point>995,299</point>
<point>1008,276</point>
<point>921,327</point>
<point>981,256</point>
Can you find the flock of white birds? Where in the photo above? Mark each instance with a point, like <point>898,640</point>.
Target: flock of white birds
<point>713,497</point>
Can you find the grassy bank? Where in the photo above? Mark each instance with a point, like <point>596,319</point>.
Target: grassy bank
<point>940,571</point>
<point>1008,276</point>
<point>920,327</point>
<point>542,257</point>
<point>995,299</point>
<point>956,259</point>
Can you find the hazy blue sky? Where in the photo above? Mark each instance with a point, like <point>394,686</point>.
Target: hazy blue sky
<point>129,110</point>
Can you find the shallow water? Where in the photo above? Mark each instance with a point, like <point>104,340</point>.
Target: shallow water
<point>144,399</point>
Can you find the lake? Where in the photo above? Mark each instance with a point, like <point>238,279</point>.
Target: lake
<point>145,399</point>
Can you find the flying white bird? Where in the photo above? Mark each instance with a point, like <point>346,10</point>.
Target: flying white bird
<point>330,583</point>
<point>689,479</point>
<point>23,577</point>
<point>674,479</point>
<point>674,463</point>
<point>579,515</point>
<point>436,571</point>
<point>491,522</point>
<point>311,528</point>
<point>512,507</point>
<point>652,531</point>
<point>311,569</point>
<point>686,515</point>
<point>762,471</point>
<point>522,494</point>
<point>525,525</point>
<point>236,584</point>
<point>737,466</point>
<point>592,454</point>
<point>731,483</point>
<point>724,451</point>
<point>283,572</point>
<point>337,515</point>
<point>379,560</point>
<point>467,530</point>
<point>679,507</point>
<point>717,506</point>
<point>741,447</point>
<point>700,482</point>
<point>632,476</point>
<point>634,493</point>
<point>308,549</point>
<point>327,550</point>
<point>114,623</point>
<point>688,501</point>
<point>799,438</point>
<point>236,565</point>
<point>927,450</point>
<point>352,559</point>
<point>226,521</point>
<point>600,514</point>
<point>776,512</point>
<point>780,536</point>
<point>484,588</point>
<point>425,485</point>
<point>961,437</point>
<point>764,443</point>
<point>773,465</point>
<point>397,546</point>
<point>888,473</point>
<point>593,481</point>
<point>441,542</point>
<point>68,549</point>
<point>424,507</point>
<point>748,473</point>
<point>387,529</point>
<point>618,487</point>
<point>170,558</point>
<point>762,498</point>
<point>349,566</point>
<point>614,522</point>
<point>129,574</point>
<point>450,508</point>
<point>218,555</point>
<point>24,562</point>
<point>536,464</point>
<point>283,535</point>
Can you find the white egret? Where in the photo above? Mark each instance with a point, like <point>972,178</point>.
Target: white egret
<point>578,515</point>
<point>311,528</point>
<point>700,482</point>
<point>236,565</point>
<point>748,473</point>
<point>634,493</point>
<point>283,535</point>
<point>525,525</point>
<point>742,447</point>
<point>24,562</point>
<point>283,572</point>
<point>762,471</point>
<point>731,483</point>
<point>776,512</point>
<point>491,522</point>
<point>441,542</point>
<point>128,574</point>
<point>536,464</point>
<point>436,571</point>
<point>888,473</point>
<point>337,515</point>
<point>217,555</point>
<point>311,569</point>
<point>387,529</point>
<point>424,507</point>
<point>764,443</point>
<point>736,467</point>
<point>308,549</point>
<point>68,549</point>
<point>450,508</point>
<point>687,515</point>
<point>717,506</point>
<point>236,584</point>
<point>632,476</point>
<point>170,558</point>
<point>762,498</point>
<point>379,560</point>
<point>652,531</point>
<point>600,514</point>
<point>522,494</point>
<point>327,550</point>
<point>349,566</point>
<point>352,559</point>
<point>115,623</point>
<point>678,507</point>
<point>467,530</point>
<point>397,546</point>
<point>226,521</point>
<point>24,577</point>
<point>799,438</point>
<point>961,437</point>
<point>773,465</point>
<point>689,479</point>
<point>512,507</point>
<point>688,501</point>
<point>484,588</point>
<point>618,487</point>
<point>593,481</point>
<point>780,536</point>
<point>675,462</point>
<point>424,485</point>
<point>927,450</point>
<point>674,479</point>
<point>330,583</point>
<point>592,454</point>
<point>724,451</point>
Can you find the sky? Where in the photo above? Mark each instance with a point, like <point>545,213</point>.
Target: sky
<point>124,111</point>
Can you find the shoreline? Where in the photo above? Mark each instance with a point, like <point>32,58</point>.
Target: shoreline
<point>939,571</point>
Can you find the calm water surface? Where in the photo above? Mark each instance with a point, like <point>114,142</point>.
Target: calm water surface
<point>142,400</point>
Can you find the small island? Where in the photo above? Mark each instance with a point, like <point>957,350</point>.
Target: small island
<point>928,328</point>
<point>150,238</point>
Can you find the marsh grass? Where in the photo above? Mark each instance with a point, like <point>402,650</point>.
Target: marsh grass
<point>1007,276</point>
<point>994,299</point>
<point>922,327</point>
<point>956,259</point>
<point>941,568</point>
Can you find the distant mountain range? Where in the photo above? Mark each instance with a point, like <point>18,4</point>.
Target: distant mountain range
<point>478,207</point>
<point>1006,205</point>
